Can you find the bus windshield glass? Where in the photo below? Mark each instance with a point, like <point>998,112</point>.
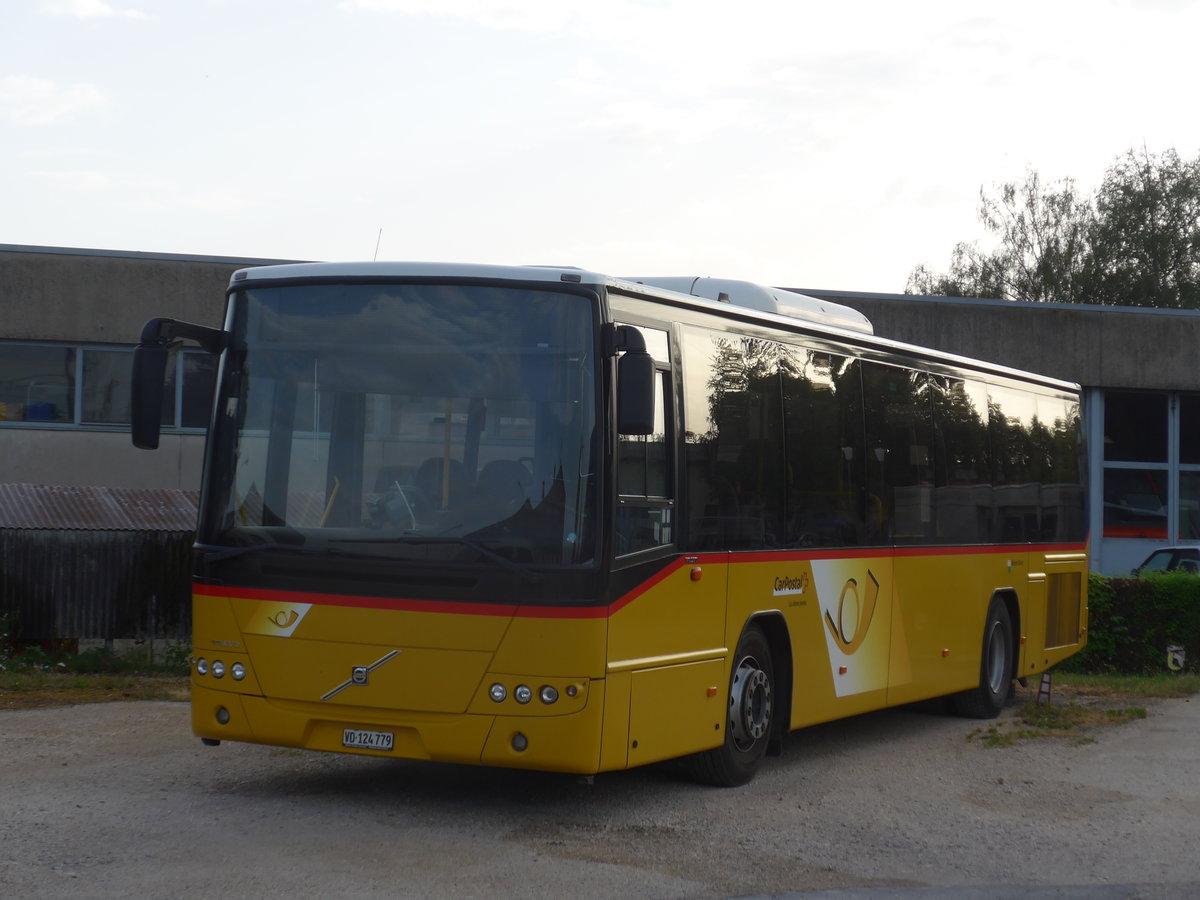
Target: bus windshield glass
<point>425,421</point>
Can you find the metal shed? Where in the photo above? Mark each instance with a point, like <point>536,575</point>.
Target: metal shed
<point>96,563</point>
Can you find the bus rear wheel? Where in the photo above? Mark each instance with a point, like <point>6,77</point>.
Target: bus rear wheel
<point>995,668</point>
<point>750,718</point>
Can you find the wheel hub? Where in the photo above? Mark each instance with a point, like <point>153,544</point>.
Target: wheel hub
<point>749,704</point>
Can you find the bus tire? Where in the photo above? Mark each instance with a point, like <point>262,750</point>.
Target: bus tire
<point>995,668</point>
<point>750,719</point>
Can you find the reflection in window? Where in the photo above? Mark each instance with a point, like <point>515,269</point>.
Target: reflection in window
<point>962,498</point>
<point>37,384</point>
<point>825,454</point>
<point>1135,503</point>
<point>1062,494</point>
<point>898,416</point>
<point>734,449</point>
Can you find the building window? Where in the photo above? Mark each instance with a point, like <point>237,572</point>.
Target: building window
<point>1140,463</point>
<point>199,375</point>
<point>1135,427</point>
<point>106,375</point>
<point>89,387</point>
<point>37,383</point>
<point>1189,466</point>
<point>1135,471</point>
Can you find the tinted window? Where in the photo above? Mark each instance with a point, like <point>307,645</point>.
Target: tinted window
<point>898,421</point>
<point>962,496</point>
<point>734,450</point>
<point>827,505</point>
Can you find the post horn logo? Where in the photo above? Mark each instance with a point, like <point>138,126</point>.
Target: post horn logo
<point>285,618</point>
<point>847,638</point>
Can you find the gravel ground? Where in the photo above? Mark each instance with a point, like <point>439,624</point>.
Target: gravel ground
<point>114,800</point>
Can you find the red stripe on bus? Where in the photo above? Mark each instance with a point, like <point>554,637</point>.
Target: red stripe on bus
<point>458,607</point>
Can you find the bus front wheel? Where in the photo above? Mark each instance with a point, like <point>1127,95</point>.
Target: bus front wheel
<point>750,716</point>
<point>995,668</point>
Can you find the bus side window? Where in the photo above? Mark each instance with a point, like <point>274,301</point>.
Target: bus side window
<point>644,503</point>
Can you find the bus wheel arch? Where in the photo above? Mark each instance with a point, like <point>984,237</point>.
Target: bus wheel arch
<point>774,628</point>
<point>1013,605</point>
<point>997,665</point>
<point>758,705</point>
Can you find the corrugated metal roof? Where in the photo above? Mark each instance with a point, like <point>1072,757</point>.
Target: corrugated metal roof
<point>90,508</point>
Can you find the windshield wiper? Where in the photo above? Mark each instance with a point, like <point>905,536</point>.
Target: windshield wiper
<point>502,561</point>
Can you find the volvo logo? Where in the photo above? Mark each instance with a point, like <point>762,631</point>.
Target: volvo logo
<point>360,674</point>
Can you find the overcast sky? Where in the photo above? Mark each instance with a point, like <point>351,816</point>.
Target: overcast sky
<point>821,145</point>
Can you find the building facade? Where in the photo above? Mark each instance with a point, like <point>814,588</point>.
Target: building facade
<point>71,318</point>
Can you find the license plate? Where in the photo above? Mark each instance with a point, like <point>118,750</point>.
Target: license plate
<point>368,740</point>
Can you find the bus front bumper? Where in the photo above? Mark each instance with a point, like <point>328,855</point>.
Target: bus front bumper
<point>562,743</point>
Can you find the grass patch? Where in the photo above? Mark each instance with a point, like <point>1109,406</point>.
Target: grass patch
<point>30,690</point>
<point>1148,687</point>
<point>33,677</point>
<point>1082,704</point>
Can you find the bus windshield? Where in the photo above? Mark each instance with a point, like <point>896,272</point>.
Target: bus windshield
<point>422,421</point>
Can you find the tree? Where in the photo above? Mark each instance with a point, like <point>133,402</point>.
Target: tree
<point>1042,253</point>
<point>1137,243</point>
<point>1146,241</point>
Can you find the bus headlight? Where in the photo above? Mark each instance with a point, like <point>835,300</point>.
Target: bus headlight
<point>498,692</point>
<point>237,671</point>
<point>522,694</point>
<point>202,666</point>
<point>218,669</point>
<point>548,694</point>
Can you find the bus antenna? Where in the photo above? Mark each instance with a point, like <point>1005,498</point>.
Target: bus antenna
<point>378,238</point>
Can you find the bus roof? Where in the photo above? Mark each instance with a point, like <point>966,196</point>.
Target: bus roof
<point>777,305</point>
<point>744,294</point>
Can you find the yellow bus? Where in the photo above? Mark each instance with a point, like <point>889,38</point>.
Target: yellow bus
<point>549,519</point>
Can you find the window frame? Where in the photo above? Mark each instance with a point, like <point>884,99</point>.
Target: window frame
<point>76,420</point>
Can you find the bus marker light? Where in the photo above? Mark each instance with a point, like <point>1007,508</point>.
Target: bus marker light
<point>548,694</point>
<point>945,652</point>
<point>842,670</point>
<point>712,691</point>
<point>696,573</point>
<point>520,742</point>
<point>572,690</point>
<point>498,692</point>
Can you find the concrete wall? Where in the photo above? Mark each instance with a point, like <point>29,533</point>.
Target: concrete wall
<point>104,458</point>
<point>1110,347</point>
<point>105,297</point>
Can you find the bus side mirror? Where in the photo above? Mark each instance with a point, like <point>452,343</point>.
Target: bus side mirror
<point>146,394</point>
<point>150,371</point>
<point>635,384</point>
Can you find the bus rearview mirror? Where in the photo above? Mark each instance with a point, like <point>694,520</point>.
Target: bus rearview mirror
<point>635,392</point>
<point>146,395</point>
